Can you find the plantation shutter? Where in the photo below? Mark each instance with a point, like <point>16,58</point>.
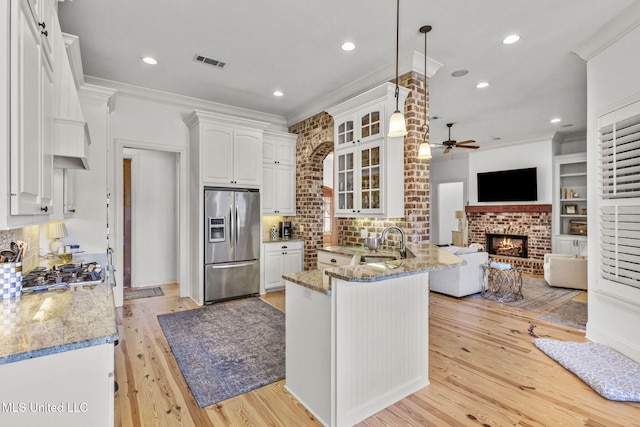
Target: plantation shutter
<point>618,164</point>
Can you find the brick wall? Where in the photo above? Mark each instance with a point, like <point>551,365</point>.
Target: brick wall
<point>315,141</point>
<point>533,221</point>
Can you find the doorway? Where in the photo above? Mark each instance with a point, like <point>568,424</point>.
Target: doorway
<point>329,226</point>
<point>177,185</point>
<point>126,239</point>
<point>450,200</point>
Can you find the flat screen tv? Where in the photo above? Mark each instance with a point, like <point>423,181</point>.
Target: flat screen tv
<point>515,185</point>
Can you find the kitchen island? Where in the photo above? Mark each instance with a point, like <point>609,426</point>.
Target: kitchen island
<point>358,336</point>
<point>56,357</point>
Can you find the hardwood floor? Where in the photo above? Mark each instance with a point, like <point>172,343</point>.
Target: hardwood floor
<point>484,370</point>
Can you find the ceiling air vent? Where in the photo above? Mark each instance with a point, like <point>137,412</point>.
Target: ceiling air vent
<point>210,61</point>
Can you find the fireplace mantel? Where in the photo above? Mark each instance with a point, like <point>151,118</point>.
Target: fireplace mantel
<point>507,208</point>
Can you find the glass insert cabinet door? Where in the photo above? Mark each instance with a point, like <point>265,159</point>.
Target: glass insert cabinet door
<point>370,124</point>
<point>345,174</point>
<point>346,133</point>
<point>370,178</point>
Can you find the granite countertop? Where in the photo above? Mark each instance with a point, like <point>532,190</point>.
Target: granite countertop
<point>281,240</point>
<point>55,321</point>
<point>427,258</point>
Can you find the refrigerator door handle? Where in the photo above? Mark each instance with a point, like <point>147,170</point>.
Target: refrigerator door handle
<point>237,227</point>
<point>234,265</point>
<point>232,239</point>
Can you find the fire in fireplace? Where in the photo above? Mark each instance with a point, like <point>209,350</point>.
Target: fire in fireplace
<point>507,245</point>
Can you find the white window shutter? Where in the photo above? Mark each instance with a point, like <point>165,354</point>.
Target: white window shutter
<point>618,196</point>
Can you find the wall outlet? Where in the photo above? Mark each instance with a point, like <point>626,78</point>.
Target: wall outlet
<point>301,228</point>
<point>364,234</point>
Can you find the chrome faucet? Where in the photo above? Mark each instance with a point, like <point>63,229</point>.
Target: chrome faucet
<point>403,241</point>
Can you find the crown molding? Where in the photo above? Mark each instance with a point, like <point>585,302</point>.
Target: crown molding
<point>610,32</point>
<point>152,95</point>
<point>407,61</point>
<point>72,45</point>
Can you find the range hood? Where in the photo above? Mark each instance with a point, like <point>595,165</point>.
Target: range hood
<point>71,139</point>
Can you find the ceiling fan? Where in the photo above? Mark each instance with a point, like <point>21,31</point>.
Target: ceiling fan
<point>450,143</point>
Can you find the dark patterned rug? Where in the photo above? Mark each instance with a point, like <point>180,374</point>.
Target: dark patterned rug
<point>135,293</point>
<point>571,313</point>
<point>227,349</point>
<point>538,296</point>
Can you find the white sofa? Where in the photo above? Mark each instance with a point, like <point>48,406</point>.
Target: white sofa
<point>463,280</point>
<point>565,271</point>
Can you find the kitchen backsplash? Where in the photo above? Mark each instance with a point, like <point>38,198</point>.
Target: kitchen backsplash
<point>29,235</point>
<point>270,221</point>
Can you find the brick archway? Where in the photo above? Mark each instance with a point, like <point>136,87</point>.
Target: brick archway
<point>315,141</point>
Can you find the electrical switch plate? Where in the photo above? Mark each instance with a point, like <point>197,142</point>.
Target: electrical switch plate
<point>363,233</point>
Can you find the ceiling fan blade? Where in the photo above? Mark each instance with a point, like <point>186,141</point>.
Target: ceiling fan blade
<point>475,147</point>
<point>446,150</point>
<point>468,141</point>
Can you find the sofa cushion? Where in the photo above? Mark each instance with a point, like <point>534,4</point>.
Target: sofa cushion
<point>457,250</point>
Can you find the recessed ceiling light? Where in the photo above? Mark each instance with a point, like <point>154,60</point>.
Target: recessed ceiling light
<point>556,120</point>
<point>482,85</point>
<point>511,39</point>
<point>149,60</point>
<point>277,93</point>
<point>348,46</point>
<point>460,73</point>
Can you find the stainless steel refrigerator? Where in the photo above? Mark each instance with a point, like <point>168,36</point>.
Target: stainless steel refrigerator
<point>232,243</point>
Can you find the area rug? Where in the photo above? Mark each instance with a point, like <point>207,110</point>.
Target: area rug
<point>570,313</point>
<point>609,373</point>
<point>135,293</point>
<point>538,296</point>
<point>227,349</point>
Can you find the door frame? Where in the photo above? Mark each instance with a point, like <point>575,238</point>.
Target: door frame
<point>435,213</point>
<point>182,204</point>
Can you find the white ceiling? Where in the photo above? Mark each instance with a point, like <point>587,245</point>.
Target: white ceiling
<point>294,46</point>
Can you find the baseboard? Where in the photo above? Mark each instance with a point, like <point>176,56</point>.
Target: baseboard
<point>617,343</point>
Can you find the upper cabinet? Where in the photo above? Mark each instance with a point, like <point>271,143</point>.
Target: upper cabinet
<point>226,151</point>
<point>278,173</point>
<point>369,169</point>
<point>30,100</point>
<point>31,114</point>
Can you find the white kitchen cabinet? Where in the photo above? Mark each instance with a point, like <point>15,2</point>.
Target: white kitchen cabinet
<point>30,116</point>
<point>63,193</point>
<point>330,260</point>
<point>369,170</point>
<point>570,203</point>
<point>231,156</point>
<point>77,386</point>
<point>281,257</point>
<point>278,173</point>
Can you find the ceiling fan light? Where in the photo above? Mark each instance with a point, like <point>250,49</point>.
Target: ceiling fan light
<point>424,152</point>
<point>397,125</point>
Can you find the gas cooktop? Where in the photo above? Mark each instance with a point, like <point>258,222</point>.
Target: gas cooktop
<point>42,278</point>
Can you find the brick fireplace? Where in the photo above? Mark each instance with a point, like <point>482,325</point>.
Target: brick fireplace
<point>533,222</point>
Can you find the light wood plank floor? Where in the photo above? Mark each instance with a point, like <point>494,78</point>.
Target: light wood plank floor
<point>484,371</point>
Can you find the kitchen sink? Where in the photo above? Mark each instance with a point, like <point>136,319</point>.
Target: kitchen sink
<point>366,259</point>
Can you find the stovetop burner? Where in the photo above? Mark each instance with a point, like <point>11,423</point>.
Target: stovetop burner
<point>73,274</point>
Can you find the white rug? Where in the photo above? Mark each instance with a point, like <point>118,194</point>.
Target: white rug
<point>608,372</point>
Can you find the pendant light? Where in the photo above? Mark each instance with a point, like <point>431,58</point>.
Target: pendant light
<point>397,125</point>
<point>424,152</point>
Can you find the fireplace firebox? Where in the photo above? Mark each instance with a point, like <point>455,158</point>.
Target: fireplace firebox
<point>507,245</point>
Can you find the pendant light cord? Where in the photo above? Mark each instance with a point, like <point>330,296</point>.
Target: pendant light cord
<point>426,126</point>
<point>397,93</point>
